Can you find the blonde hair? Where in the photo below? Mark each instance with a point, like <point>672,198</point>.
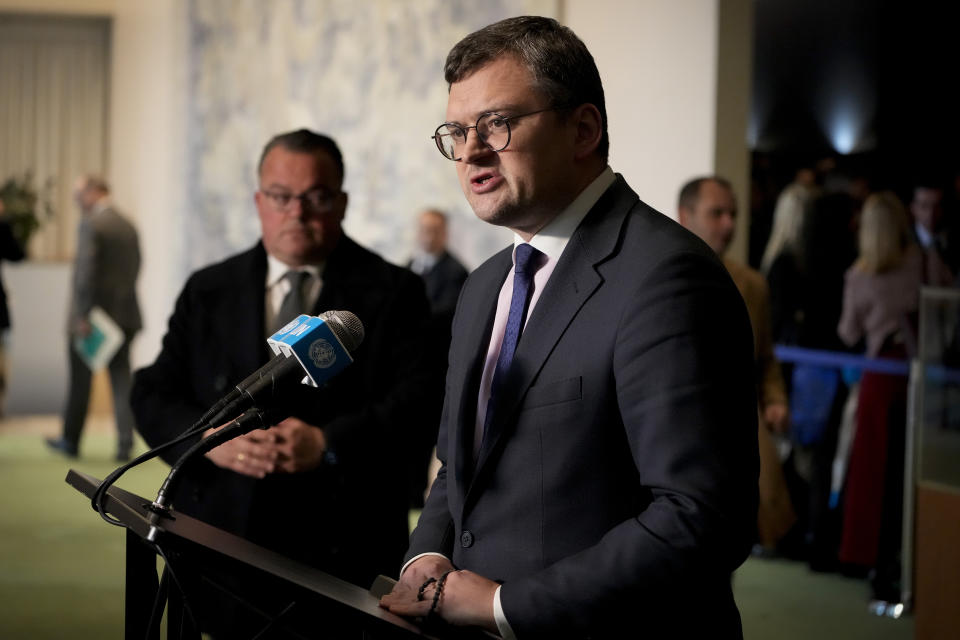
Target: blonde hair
<point>884,234</point>
<point>792,206</point>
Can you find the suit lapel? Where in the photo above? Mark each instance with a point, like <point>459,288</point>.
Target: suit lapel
<point>571,284</point>
<point>471,349</point>
<point>251,327</point>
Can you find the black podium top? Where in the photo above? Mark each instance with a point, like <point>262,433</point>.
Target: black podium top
<point>132,510</point>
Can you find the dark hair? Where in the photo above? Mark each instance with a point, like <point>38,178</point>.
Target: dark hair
<point>561,66</point>
<point>690,193</point>
<point>437,212</point>
<point>95,182</point>
<point>304,141</point>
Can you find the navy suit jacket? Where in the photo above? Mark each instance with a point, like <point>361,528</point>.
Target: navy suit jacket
<point>348,517</point>
<point>617,484</point>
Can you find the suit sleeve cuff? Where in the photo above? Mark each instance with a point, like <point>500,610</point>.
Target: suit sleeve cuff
<point>417,557</point>
<point>502,625</point>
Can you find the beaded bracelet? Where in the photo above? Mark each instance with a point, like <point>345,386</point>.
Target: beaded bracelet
<point>423,587</point>
<point>438,592</point>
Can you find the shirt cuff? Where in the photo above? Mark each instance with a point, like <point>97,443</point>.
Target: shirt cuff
<point>502,625</point>
<point>417,557</point>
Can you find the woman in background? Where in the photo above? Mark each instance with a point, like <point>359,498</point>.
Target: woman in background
<point>783,260</point>
<point>881,297</point>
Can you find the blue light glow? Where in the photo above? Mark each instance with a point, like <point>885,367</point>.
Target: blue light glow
<point>844,131</point>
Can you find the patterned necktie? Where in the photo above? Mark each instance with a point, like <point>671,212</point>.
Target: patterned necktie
<point>525,267</point>
<point>292,305</point>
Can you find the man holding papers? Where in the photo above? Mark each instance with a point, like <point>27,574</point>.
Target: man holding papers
<point>103,300</point>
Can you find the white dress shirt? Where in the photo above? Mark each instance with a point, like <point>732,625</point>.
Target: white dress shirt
<point>278,287</point>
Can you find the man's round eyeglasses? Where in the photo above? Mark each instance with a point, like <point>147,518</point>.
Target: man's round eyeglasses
<point>492,128</point>
<point>319,200</point>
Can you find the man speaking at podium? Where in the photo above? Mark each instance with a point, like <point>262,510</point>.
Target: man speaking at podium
<point>598,440</point>
<point>321,486</point>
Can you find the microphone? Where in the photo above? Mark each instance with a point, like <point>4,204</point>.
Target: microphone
<point>309,349</point>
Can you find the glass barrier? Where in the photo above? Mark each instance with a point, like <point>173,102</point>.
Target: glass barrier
<point>937,408</point>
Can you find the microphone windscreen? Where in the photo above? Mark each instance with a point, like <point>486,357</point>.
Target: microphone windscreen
<point>346,326</point>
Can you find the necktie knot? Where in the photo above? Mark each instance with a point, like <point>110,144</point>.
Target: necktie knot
<point>525,260</point>
<point>296,279</point>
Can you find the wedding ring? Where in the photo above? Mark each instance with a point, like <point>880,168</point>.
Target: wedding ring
<point>240,457</point>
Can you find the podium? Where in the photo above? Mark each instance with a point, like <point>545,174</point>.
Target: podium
<point>288,599</point>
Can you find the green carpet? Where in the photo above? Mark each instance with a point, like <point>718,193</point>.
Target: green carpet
<point>61,566</point>
<point>785,600</point>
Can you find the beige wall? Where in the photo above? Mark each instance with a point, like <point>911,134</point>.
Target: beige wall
<point>671,119</point>
<point>148,144</point>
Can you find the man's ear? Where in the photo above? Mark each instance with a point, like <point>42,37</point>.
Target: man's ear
<point>589,130</point>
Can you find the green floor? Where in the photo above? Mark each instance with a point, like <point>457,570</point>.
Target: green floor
<point>61,567</point>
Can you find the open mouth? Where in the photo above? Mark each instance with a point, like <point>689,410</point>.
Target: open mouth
<point>482,178</point>
<point>485,182</point>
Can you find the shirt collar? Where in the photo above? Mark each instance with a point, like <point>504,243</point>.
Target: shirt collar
<point>100,205</point>
<point>924,237</point>
<point>553,238</point>
<point>276,269</point>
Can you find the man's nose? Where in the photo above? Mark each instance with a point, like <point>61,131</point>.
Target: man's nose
<point>474,148</point>
<point>296,208</point>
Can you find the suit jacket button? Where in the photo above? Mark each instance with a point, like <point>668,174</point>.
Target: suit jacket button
<point>466,539</point>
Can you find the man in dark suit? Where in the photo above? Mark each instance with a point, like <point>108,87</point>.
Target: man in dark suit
<point>104,275</point>
<point>442,273</point>
<point>933,232</point>
<point>599,472</point>
<point>443,276</point>
<point>319,486</point>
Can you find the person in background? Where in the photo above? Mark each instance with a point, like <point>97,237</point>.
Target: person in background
<point>444,275</point>
<point>11,250</point>
<point>598,445</point>
<point>782,261</point>
<point>707,206</point>
<point>441,271</point>
<point>104,275</point>
<point>930,228</point>
<point>880,300</point>
<point>808,250</point>
<point>320,486</point>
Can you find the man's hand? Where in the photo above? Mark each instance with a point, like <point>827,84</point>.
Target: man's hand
<point>466,599</point>
<point>252,454</point>
<point>777,417</point>
<point>300,446</point>
<point>82,327</point>
<point>402,600</point>
<point>290,446</point>
<point>431,566</point>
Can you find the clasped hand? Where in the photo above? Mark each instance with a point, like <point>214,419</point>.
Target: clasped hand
<point>466,599</point>
<point>291,446</point>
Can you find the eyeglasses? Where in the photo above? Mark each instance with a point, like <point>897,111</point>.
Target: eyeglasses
<point>492,128</point>
<point>318,200</point>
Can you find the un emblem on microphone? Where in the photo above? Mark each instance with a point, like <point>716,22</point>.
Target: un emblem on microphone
<point>322,354</point>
